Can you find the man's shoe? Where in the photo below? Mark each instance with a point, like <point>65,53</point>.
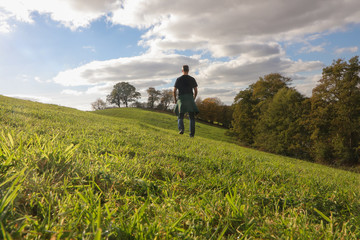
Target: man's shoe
<point>181,132</point>
<point>191,136</point>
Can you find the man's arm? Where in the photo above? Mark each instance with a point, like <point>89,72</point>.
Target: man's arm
<point>174,94</point>
<point>195,92</point>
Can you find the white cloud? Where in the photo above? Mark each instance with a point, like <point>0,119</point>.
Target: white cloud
<point>300,66</point>
<point>187,24</point>
<point>100,89</point>
<point>4,25</point>
<point>347,49</point>
<point>71,92</point>
<point>246,49</point>
<point>194,25</point>
<point>225,94</point>
<point>32,98</point>
<point>71,13</point>
<point>145,70</point>
<point>242,71</point>
<point>306,85</point>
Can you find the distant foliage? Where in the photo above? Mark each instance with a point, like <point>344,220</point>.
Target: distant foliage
<point>243,123</point>
<point>166,98</point>
<point>210,108</point>
<point>153,96</point>
<point>123,92</point>
<point>99,104</point>
<point>251,103</point>
<point>138,104</point>
<point>325,128</point>
<point>214,111</point>
<point>279,128</point>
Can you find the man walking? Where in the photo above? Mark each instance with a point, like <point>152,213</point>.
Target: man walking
<point>186,101</point>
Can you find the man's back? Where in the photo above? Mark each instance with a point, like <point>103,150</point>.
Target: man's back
<point>185,84</point>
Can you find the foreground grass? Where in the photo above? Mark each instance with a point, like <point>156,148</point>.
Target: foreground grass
<point>71,174</point>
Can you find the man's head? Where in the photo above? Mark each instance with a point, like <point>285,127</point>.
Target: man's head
<point>185,69</point>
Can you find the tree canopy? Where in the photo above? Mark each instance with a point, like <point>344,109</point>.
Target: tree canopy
<point>123,92</point>
<point>250,103</point>
<point>335,113</point>
<point>325,128</point>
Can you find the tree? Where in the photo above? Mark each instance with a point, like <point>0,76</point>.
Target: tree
<point>99,104</point>
<point>123,92</point>
<point>213,110</point>
<point>166,98</point>
<point>210,109</point>
<point>243,122</point>
<point>335,114</point>
<point>138,104</point>
<point>266,87</point>
<point>154,96</point>
<point>251,102</point>
<point>226,115</point>
<point>280,129</point>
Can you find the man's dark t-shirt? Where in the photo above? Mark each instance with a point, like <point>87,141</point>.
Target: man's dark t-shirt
<point>185,84</point>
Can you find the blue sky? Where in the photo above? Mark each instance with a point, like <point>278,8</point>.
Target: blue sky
<point>71,52</point>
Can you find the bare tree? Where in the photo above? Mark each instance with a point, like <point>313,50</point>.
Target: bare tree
<point>166,98</point>
<point>99,104</point>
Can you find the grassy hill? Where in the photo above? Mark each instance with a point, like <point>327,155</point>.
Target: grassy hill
<point>163,121</point>
<point>127,174</point>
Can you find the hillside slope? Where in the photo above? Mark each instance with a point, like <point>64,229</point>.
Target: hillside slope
<point>65,173</point>
<point>166,122</point>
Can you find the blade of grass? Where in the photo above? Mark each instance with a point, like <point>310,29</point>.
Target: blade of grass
<point>323,215</point>
<point>180,219</point>
<point>223,232</point>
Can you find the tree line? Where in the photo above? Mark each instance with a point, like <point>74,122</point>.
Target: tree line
<point>212,110</point>
<point>270,115</point>
<point>125,93</point>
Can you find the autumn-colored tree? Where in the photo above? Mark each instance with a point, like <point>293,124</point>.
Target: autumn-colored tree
<point>210,109</point>
<point>214,111</point>
<point>335,114</point>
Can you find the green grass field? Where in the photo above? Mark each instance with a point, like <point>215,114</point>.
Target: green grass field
<point>127,174</point>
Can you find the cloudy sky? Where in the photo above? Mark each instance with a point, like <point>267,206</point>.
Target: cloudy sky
<point>71,52</point>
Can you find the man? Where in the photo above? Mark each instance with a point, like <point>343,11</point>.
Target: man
<point>186,102</point>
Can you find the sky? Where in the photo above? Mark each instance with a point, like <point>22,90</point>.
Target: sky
<point>72,52</point>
